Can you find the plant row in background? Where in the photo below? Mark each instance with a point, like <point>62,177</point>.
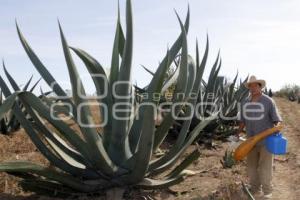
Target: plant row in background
<point>290,91</point>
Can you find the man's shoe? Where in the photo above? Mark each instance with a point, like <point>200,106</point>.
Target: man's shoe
<point>268,196</point>
<point>257,194</point>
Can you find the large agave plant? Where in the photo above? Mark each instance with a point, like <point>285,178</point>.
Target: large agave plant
<point>121,153</point>
<point>222,96</point>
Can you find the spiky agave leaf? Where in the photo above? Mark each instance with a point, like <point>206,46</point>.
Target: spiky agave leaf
<point>118,149</point>
<point>10,123</point>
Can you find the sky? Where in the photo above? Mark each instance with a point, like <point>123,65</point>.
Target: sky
<point>254,37</point>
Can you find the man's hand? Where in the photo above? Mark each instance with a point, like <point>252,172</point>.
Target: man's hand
<point>277,123</point>
<point>240,129</point>
<point>237,134</point>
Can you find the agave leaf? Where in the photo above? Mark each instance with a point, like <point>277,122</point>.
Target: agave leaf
<point>210,82</point>
<point>57,143</point>
<point>118,150</point>
<point>46,188</point>
<point>231,90</point>
<point>215,78</point>
<point>118,49</point>
<point>170,81</point>
<point>64,155</point>
<point>96,69</point>
<point>34,86</point>
<point>214,68</point>
<point>228,98</point>
<point>182,82</point>
<point>148,70</point>
<point>44,93</point>
<point>7,105</point>
<point>144,150</point>
<point>151,184</point>
<point>13,122</point>
<point>121,40</point>
<point>204,83</point>
<point>28,167</point>
<point>93,139</point>
<point>63,146</point>
<point>40,186</point>
<point>156,83</point>
<point>59,109</point>
<point>211,85</point>
<point>192,71</point>
<point>10,79</point>
<point>27,84</point>
<point>202,65</point>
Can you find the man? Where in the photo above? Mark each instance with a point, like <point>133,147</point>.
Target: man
<point>258,113</point>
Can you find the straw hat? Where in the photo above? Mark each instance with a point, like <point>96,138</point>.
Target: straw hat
<point>253,79</point>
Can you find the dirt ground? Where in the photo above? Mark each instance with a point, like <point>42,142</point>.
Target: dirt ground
<point>212,181</point>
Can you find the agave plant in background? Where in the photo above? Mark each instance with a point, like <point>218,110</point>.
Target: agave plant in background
<point>9,122</point>
<point>121,153</point>
<point>169,81</point>
<point>166,93</point>
<point>225,96</point>
<point>232,95</point>
<point>268,92</point>
<point>217,95</point>
<point>290,91</point>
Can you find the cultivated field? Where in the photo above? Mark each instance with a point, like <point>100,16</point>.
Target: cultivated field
<point>210,182</point>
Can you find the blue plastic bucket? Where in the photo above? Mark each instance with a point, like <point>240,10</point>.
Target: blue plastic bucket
<point>276,144</point>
